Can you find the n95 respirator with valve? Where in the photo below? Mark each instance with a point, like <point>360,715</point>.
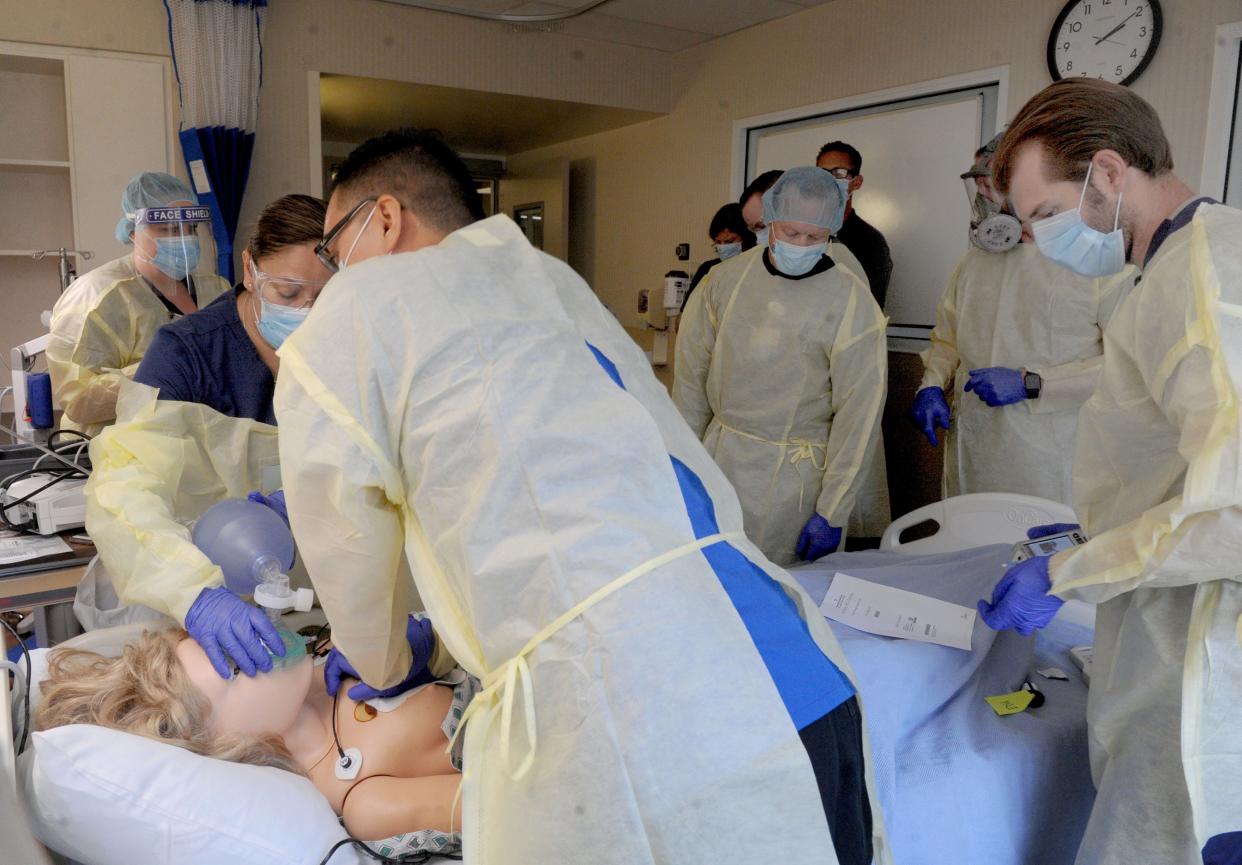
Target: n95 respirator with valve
<point>992,227</point>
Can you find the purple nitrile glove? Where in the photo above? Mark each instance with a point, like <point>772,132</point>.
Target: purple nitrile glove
<point>422,640</point>
<point>1020,600</point>
<point>225,625</point>
<point>818,539</point>
<point>997,385</point>
<point>1034,533</point>
<point>931,410</point>
<point>276,501</point>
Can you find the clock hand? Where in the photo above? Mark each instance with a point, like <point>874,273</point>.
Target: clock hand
<point>1118,27</point>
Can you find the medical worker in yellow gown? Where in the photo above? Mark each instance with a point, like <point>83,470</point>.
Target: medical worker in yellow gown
<point>782,369</point>
<point>102,324</point>
<point>1018,345</point>
<point>461,400</point>
<point>1157,475</point>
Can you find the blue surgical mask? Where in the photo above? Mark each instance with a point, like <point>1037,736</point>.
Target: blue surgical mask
<point>761,237</point>
<point>276,322</point>
<point>794,260</point>
<point>1070,242</point>
<point>844,186</point>
<point>728,250</point>
<point>176,257</point>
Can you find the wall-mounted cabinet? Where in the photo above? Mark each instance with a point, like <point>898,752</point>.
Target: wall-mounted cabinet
<point>75,125</point>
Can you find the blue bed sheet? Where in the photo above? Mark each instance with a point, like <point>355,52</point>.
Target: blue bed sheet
<point>959,784</point>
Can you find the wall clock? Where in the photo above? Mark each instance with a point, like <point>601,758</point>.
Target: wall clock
<point>1112,40</point>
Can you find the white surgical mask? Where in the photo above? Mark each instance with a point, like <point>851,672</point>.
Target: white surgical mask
<point>1070,242</point>
<point>794,260</point>
<point>728,250</point>
<point>345,259</point>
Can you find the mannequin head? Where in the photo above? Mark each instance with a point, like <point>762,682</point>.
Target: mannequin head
<point>162,687</point>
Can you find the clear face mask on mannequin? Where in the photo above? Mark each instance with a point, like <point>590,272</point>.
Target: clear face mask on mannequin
<point>1070,242</point>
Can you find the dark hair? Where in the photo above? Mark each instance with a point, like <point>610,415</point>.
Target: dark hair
<point>420,170</point>
<point>290,220</point>
<point>842,147</point>
<point>1076,118</point>
<point>729,218</point>
<point>760,185</point>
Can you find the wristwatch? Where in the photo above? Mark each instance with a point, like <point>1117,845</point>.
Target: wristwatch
<point>1033,383</point>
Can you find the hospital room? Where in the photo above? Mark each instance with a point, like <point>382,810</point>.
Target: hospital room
<point>800,431</point>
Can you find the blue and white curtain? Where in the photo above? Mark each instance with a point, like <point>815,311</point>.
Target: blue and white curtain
<point>218,56</point>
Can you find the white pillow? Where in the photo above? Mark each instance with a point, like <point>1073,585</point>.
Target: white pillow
<point>103,797</point>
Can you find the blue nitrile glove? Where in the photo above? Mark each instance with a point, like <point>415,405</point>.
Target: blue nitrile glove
<point>1021,600</point>
<point>228,627</point>
<point>422,642</point>
<point>1034,533</point>
<point>276,501</point>
<point>997,385</point>
<point>818,539</point>
<point>931,410</point>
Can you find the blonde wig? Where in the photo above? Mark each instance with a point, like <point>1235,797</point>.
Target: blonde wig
<point>146,691</point>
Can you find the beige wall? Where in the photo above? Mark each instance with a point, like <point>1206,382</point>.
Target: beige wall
<point>654,184</point>
<point>368,38</point>
<point>547,183</point>
<point>659,182</point>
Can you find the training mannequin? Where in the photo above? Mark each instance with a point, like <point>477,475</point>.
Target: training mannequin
<point>163,687</point>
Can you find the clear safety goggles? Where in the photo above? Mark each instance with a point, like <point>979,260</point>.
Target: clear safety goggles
<point>286,290</point>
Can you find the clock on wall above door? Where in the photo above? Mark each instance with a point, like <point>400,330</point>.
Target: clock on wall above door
<point>1113,40</point>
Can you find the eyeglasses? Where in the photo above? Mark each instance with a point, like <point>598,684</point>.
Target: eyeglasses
<point>321,248</point>
<point>840,173</point>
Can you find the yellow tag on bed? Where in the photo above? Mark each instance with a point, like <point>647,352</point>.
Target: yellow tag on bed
<point>1010,704</point>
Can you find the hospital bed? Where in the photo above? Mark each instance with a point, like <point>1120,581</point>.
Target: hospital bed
<point>957,782</point>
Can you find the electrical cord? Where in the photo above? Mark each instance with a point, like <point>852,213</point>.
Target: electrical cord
<point>412,859</point>
<point>73,470</point>
<point>53,454</point>
<point>57,477</point>
<point>29,667</point>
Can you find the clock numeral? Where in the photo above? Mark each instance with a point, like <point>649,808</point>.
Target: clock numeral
<point>1065,46</point>
<point>1106,2</point>
<point>1138,11</point>
<point>1118,71</point>
<point>1075,26</point>
<point>1134,52</point>
<point>1069,65</point>
<point>1142,32</point>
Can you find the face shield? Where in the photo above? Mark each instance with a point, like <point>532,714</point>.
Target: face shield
<point>992,227</point>
<point>177,240</point>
